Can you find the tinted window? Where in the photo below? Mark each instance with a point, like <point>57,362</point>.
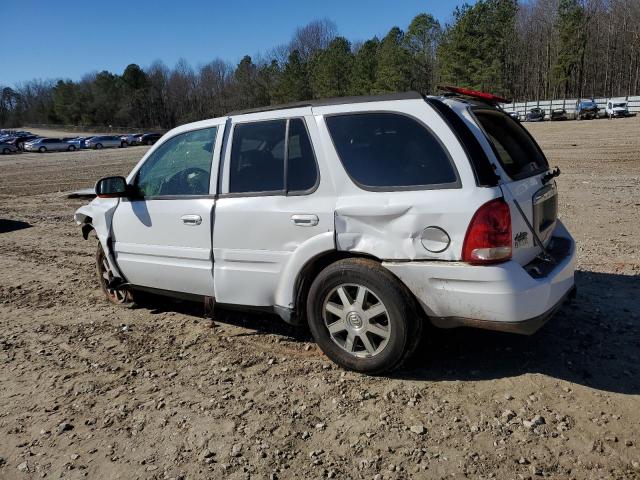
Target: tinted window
<point>180,166</point>
<point>389,150</point>
<point>257,157</point>
<point>302,170</point>
<point>515,149</point>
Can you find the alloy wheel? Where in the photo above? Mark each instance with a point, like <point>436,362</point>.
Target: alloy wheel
<point>357,321</point>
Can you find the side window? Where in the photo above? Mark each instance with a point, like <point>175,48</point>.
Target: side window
<point>257,157</point>
<point>302,169</point>
<point>386,151</point>
<point>180,166</point>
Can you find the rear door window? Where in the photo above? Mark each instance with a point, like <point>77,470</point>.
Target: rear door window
<point>515,149</point>
<point>302,169</point>
<point>390,151</point>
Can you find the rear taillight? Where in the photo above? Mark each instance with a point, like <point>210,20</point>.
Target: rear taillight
<point>488,238</point>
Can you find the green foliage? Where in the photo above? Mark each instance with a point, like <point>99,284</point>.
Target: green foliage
<point>570,28</point>
<point>331,68</point>
<point>363,73</point>
<point>421,40</point>
<point>475,51</point>
<point>293,83</point>
<point>393,71</point>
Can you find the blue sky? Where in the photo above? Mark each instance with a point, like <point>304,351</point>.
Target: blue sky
<point>68,38</point>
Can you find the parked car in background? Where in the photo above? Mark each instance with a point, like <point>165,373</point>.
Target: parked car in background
<point>617,108</point>
<point>47,145</point>
<point>148,138</point>
<point>20,141</point>
<point>383,214</point>
<point>514,115</point>
<point>535,115</point>
<point>587,109</point>
<point>558,114</point>
<point>129,139</point>
<point>6,148</point>
<point>103,141</point>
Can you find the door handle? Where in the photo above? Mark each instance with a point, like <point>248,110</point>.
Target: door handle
<point>305,220</point>
<point>191,219</point>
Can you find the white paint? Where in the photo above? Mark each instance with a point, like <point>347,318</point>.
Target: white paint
<point>250,250</point>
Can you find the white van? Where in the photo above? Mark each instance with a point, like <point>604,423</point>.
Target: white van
<point>363,218</point>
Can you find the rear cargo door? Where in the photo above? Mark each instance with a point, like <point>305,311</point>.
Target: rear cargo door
<point>534,204</point>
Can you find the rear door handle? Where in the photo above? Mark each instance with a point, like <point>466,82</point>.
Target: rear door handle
<point>191,219</point>
<point>305,220</point>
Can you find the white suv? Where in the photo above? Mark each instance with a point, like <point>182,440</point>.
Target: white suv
<point>362,217</point>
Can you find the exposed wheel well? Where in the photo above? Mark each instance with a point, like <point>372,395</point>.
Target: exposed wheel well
<point>309,273</point>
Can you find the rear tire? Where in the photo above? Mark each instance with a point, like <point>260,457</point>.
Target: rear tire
<point>42,149</point>
<point>98,146</point>
<point>362,317</point>
<point>6,151</point>
<point>71,148</point>
<point>104,273</point>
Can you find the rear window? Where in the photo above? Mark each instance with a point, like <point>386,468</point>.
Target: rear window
<point>390,151</point>
<point>515,149</point>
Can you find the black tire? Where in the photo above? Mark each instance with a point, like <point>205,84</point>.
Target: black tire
<point>98,146</point>
<point>400,318</point>
<point>42,149</point>
<point>117,297</point>
<point>6,151</point>
<point>123,144</point>
<point>148,142</point>
<point>71,148</point>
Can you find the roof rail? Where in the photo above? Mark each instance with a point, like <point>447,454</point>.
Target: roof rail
<point>410,95</point>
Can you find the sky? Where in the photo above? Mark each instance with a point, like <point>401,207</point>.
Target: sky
<point>50,39</point>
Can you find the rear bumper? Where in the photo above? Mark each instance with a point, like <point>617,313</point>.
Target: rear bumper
<point>503,297</point>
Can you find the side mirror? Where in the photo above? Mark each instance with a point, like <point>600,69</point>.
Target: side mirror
<point>111,187</point>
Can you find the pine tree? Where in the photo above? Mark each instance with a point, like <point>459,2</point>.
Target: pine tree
<point>331,69</point>
<point>363,73</point>
<point>393,70</point>
<point>421,41</point>
<point>570,28</point>
<point>293,83</point>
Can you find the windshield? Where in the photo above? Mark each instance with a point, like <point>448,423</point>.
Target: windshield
<point>518,153</point>
<point>620,105</point>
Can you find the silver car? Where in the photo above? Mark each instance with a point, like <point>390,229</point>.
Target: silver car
<point>104,141</point>
<point>48,145</point>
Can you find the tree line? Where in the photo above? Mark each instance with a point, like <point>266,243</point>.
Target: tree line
<point>525,50</point>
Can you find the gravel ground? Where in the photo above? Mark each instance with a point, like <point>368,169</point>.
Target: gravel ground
<point>91,390</point>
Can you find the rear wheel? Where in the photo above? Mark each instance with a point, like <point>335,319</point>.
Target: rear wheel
<point>71,148</point>
<point>362,317</point>
<point>98,146</point>
<point>42,149</point>
<point>6,151</point>
<point>105,275</point>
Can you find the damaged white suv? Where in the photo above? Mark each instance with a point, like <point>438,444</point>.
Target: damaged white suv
<point>362,217</point>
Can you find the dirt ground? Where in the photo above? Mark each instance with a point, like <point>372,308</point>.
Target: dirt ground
<point>91,390</point>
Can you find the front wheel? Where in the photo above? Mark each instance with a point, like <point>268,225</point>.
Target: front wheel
<point>362,317</point>
<point>6,151</point>
<point>71,148</point>
<point>105,275</point>
<point>98,146</point>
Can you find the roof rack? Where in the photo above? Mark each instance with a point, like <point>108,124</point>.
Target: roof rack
<point>321,102</point>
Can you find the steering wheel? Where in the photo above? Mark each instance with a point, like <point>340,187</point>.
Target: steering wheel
<point>190,181</point>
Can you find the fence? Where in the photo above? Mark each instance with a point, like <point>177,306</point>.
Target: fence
<point>569,104</point>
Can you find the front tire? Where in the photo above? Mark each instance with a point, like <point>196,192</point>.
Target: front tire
<point>105,274</point>
<point>98,146</point>
<point>362,317</point>
<point>71,148</point>
<point>6,151</point>
<point>42,149</point>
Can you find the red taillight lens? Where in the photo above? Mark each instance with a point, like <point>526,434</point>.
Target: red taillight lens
<point>488,238</point>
